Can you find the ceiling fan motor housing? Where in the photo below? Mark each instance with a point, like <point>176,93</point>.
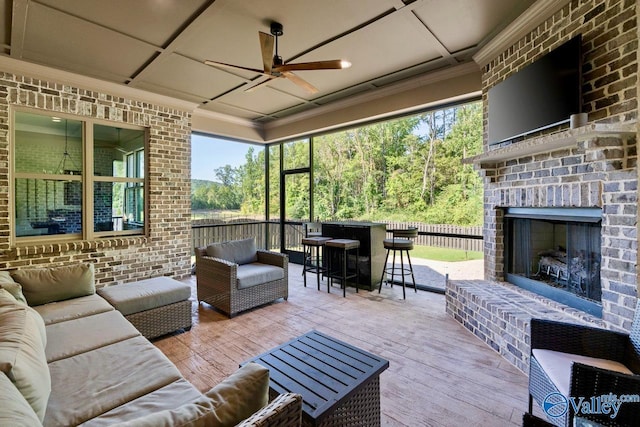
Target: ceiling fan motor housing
<point>276,29</point>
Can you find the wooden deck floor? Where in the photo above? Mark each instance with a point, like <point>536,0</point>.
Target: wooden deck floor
<point>439,373</point>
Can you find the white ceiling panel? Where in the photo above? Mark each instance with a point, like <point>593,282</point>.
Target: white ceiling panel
<point>191,77</point>
<point>263,100</point>
<point>73,44</point>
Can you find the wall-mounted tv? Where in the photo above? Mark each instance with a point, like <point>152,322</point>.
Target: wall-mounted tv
<point>541,95</point>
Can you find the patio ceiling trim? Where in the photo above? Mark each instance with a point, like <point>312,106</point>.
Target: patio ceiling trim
<point>540,11</point>
<point>19,67</point>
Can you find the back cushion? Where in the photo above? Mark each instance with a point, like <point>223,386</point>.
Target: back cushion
<point>22,356</point>
<point>44,285</point>
<point>15,410</point>
<point>236,251</point>
<point>14,288</point>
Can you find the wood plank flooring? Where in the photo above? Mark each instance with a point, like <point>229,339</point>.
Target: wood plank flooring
<point>439,373</point>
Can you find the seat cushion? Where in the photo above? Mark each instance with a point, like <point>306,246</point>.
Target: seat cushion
<point>236,251</point>
<point>44,285</point>
<point>67,339</point>
<point>257,273</point>
<point>397,243</point>
<point>145,294</point>
<point>557,365</point>
<point>173,395</point>
<point>108,377</point>
<point>73,309</point>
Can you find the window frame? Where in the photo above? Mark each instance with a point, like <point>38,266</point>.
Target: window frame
<point>87,180</point>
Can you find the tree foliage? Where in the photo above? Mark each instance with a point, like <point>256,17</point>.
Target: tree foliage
<point>407,169</point>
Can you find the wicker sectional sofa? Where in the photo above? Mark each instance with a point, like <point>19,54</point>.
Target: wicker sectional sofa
<point>67,357</point>
<point>233,276</point>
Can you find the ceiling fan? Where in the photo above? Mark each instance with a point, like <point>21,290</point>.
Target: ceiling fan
<point>275,68</point>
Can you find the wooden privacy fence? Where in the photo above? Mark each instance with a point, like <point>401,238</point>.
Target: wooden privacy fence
<point>206,231</point>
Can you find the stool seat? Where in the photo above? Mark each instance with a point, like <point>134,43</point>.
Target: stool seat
<point>398,244</point>
<point>315,240</point>
<point>345,244</point>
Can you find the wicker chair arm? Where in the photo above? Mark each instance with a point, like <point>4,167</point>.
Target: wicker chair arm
<point>578,339</point>
<point>589,381</point>
<point>272,258</point>
<point>284,411</point>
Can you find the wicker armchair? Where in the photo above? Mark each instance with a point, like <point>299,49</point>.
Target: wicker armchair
<point>217,282</point>
<point>611,353</point>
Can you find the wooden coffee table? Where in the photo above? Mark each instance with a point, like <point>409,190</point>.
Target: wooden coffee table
<point>339,383</point>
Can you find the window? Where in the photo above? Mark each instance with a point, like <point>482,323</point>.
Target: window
<point>70,172</point>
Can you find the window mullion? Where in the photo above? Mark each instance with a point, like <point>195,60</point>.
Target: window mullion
<point>87,202</point>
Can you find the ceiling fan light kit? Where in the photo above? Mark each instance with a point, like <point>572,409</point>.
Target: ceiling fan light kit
<point>274,67</point>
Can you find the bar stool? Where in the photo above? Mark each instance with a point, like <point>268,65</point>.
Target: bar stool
<point>309,243</point>
<point>402,241</point>
<point>338,249</point>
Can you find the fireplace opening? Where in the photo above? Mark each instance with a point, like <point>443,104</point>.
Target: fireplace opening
<point>556,253</point>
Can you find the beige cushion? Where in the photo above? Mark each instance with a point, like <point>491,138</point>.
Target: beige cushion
<point>44,285</point>
<point>240,395</point>
<point>236,251</point>
<point>75,308</point>
<point>15,410</point>
<point>257,273</point>
<point>67,339</point>
<point>22,355</point>
<point>107,377</point>
<point>14,288</point>
<point>177,404</point>
<point>145,294</point>
<point>557,365</point>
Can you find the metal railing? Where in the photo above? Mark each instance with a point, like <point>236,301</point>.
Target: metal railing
<point>437,235</point>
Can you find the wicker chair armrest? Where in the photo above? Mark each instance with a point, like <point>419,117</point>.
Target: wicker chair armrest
<point>589,381</point>
<point>578,339</point>
<point>284,411</point>
<point>272,258</point>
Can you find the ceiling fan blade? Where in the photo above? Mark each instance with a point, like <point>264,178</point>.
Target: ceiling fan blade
<point>334,64</point>
<point>234,67</point>
<point>300,82</point>
<point>266,47</point>
<point>251,88</point>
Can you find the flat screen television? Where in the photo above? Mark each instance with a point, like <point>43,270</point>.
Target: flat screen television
<point>541,95</point>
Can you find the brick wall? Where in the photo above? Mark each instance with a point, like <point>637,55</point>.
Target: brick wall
<point>167,247</point>
<point>600,171</point>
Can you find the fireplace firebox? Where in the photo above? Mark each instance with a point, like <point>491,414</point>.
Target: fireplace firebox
<point>555,252</point>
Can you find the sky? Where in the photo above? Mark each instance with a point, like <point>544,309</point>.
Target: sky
<point>209,153</point>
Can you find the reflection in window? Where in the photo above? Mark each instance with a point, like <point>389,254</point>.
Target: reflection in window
<point>52,192</point>
<point>118,194</point>
<point>48,175</point>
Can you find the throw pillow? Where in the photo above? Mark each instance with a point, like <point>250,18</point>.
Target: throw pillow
<point>44,285</point>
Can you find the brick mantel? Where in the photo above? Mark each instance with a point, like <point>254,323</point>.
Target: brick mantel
<point>568,138</point>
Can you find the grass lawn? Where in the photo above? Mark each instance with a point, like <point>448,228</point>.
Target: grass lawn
<point>444,254</point>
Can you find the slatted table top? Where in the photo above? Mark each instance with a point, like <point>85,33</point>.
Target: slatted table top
<point>323,369</point>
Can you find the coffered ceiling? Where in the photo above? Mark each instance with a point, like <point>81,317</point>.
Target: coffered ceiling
<point>160,46</point>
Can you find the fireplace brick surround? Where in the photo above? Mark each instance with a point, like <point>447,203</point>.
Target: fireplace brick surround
<point>593,166</point>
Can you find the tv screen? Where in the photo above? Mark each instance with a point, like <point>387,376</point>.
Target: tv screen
<point>543,94</point>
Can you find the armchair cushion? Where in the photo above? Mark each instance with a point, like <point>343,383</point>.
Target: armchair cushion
<point>557,365</point>
<point>257,273</point>
<point>236,251</point>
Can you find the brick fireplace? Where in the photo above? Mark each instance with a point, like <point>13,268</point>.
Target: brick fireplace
<point>586,168</point>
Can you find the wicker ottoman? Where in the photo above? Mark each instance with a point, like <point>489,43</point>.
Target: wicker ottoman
<point>155,306</point>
